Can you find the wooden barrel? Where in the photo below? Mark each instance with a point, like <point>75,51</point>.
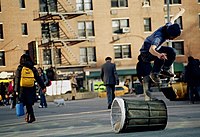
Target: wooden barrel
<point>137,115</point>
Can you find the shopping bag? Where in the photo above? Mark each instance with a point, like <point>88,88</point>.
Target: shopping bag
<point>19,109</point>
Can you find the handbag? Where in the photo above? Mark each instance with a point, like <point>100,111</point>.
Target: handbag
<point>20,109</point>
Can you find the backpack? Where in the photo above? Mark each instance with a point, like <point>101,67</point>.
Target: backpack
<point>27,77</point>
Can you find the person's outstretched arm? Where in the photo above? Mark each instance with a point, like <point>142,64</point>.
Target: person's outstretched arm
<point>180,13</point>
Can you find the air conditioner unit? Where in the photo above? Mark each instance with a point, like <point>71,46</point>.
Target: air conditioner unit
<point>91,39</point>
<point>89,13</point>
<point>92,64</point>
<point>114,38</point>
<point>145,4</point>
<point>113,12</point>
<point>125,30</point>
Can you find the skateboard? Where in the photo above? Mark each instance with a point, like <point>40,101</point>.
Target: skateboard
<point>163,87</point>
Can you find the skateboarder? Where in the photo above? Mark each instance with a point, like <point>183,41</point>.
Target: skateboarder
<point>163,56</point>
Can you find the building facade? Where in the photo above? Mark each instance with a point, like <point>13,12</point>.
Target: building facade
<point>75,36</point>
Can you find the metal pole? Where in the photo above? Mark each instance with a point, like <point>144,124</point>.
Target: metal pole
<point>168,20</point>
<point>168,15</point>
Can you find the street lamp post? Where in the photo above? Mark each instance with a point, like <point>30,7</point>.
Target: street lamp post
<point>168,20</point>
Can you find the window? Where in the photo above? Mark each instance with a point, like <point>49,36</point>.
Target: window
<point>43,6</point>
<point>122,51</point>
<point>147,24</point>
<point>87,55</point>
<point>1,31</point>
<point>45,31</point>
<point>47,57</point>
<point>173,1</point>
<point>22,4</point>
<point>199,20</point>
<point>57,56</point>
<point>119,3</point>
<point>179,46</point>
<point>82,5</point>
<point>117,25</point>
<point>146,3</point>
<point>54,30</point>
<point>50,30</point>
<point>179,21</point>
<point>48,5</point>
<point>85,29</point>
<point>52,5</point>
<point>2,58</point>
<point>24,29</point>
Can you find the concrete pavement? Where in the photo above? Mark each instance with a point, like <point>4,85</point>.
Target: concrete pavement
<point>90,118</point>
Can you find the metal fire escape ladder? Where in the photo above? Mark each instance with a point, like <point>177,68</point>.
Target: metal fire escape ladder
<point>66,5</point>
<point>68,55</point>
<point>68,26</point>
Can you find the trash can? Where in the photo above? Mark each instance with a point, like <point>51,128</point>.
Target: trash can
<point>138,88</point>
<point>133,115</point>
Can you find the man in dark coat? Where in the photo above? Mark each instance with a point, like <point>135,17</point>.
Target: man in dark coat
<point>192,77</point>
<point>27,95</point>
<point>110,78</point>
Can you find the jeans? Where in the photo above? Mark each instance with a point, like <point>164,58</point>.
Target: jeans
<point>43,101</point>
<point>110,89</point>
<point>194,90</point>
<point>160,64</point>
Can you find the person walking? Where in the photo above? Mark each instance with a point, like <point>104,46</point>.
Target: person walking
<point>3,93</point>
<point>11,94</point>
<point>163,56</point>
<point>74,85</point>
<point>192,78</point>
<point>110,78</point>
<point>24,85</point>
<point>43,76</point>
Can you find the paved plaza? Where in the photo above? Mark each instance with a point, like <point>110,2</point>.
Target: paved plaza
<point>91,118</point>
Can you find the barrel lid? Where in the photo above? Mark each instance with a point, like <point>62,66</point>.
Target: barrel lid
<point>118,114</point>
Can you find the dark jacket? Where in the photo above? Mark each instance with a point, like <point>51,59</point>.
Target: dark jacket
<point>109,74</point>
<point>192,73</point>
<point>27,95</point>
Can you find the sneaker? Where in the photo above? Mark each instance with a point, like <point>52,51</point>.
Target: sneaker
<point>155,78</point>
<point>40,106</point>
<point>167,73</point>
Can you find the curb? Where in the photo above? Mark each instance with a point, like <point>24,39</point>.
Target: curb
<point>68,96</point>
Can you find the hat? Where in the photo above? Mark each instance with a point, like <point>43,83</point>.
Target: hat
<point>174,30</point>
<point>108,58</point>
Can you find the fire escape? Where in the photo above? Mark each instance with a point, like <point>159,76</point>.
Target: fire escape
<point>60,13</point>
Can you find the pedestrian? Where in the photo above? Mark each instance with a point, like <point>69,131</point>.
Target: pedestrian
<point>192,78</point>
<point>43,76</point>
<point>24,85</point>
<point>3,93</point>
<point>74,85</point>
<point>110,78</point>
<point>163,56</point>
<point>11,93</point>
<point>127,83</point>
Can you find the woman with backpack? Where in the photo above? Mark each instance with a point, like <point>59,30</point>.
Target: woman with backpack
<point>24,84</point>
